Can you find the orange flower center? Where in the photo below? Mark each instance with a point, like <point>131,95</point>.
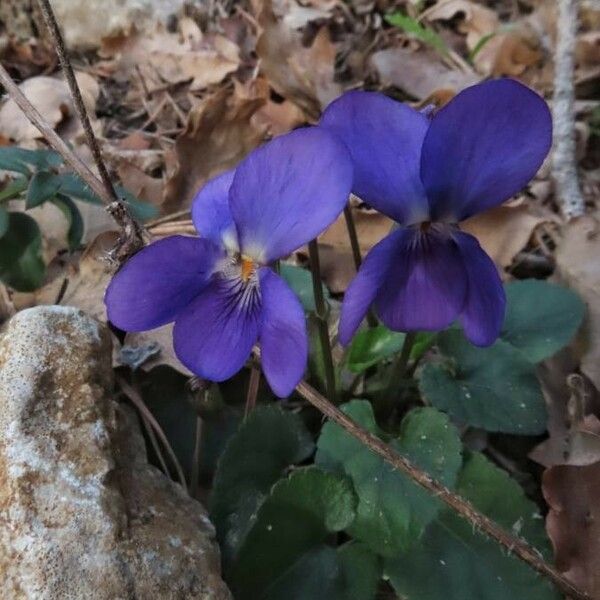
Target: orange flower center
<point>248,268</point>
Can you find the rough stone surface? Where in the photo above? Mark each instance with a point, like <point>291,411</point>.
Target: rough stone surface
<point>85,23</point>
<point>82,514</point>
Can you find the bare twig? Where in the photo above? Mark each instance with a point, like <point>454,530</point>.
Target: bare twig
<point>117,210</point>
<point>465,509</point>
<point>138,402</point>
<point>51,136</point>
<point>564,162</point>
<point>195,475</point>
<point>132,238</point>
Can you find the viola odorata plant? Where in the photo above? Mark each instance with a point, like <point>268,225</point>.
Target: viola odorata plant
<point>429,173</point>
<point>220,289</point>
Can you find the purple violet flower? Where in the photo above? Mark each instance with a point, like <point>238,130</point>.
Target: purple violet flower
<point>219,289</point>
<point>428,174</point>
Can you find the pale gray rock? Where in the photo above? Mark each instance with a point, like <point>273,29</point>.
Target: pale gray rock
<point>82,513</point>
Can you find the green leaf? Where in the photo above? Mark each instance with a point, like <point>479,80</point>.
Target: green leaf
<point>541,317</point>
<point>495,388</point>
<point>371,346</point>
<point>71,212</point>
<point>21,264</point>
<point>13,188</point>
<point>413,27</point>
<point>4,221</point>
<point>453,561</point>
<point>350,572</point>
<point>392,511</point>
<point>73,186</point>
<point>297,517</point>
<point>19,160</point>
<point>266,444</point>
<point>300,280</point>
<point>43,186</point>
<point>480,44</point>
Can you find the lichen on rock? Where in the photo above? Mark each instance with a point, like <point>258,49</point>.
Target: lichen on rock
<point>82,513</point>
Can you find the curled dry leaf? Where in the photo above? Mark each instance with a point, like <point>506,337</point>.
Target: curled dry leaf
<point>52,98</point>
<point>504,231</point>
<point>573,523</point>
<point>303,75</point>
<point>218,134</point>
<point>163,57</point>
<point>498,51</point>
<point>420,74</point>
<point>577,266</point>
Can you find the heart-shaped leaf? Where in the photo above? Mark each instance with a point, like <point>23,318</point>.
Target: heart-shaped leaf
<point>495,388</point>
<point>392,510</point>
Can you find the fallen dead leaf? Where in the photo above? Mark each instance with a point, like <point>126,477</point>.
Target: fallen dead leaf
<point>218,134</point>
<point>80,284</point>
<point>303,75</point>
<point>578,268</point>
<point>164,57</point>
<point>420,74</point>
<point>52,98</point>
<point>573,523</point>
<point>504,231</point>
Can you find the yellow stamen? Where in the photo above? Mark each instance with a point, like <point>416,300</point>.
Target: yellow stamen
<point>247,268</point>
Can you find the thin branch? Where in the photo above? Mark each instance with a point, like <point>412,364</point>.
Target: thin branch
<point>118,210</point>
<point>67,68</point>
<point>51,136</point>
<point>138,402</point>
<point>564,161</point>
<point>465,509</point>
<point>195,475</point>
<point>351,227</point>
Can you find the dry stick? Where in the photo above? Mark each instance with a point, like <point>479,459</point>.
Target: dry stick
<point>513,545</point>
<point>51,136</point>
<point>115,205</point>
<point>564,162</point>
<point>137,401</point>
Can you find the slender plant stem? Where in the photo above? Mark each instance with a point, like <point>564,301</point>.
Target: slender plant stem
<point>351,227</point>
<point>132,238</point>
<point>356,255</point>
<point>252,390</point>
<point>195,475</point>
<point>138,402</point>
<point>465,509</point>
<point>397,370</point>
<point>51,136</point>
<point>67,68</point>
<point>321,313</point>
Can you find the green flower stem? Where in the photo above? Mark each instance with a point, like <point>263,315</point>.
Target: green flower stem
<point>356,255</point>
<point>397,371</point>
<point>321,313</point>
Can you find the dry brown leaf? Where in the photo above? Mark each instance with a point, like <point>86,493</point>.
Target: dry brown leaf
<point>578,266</point>
<point>219,133</point>
<point>303,75</point>
<point>164,57</point>
<point>141,185</point>
<point>508,54</point>
<point>477,20</point>
<point>573,523</point>
<point>504,231</point>
<point>52,99</point>
<point>86,281</point>
<point>337,262</point>
<point>420,74</point>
